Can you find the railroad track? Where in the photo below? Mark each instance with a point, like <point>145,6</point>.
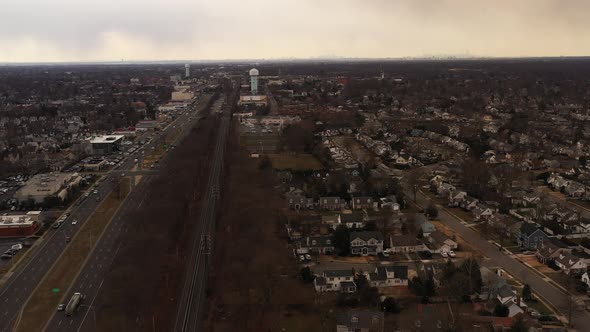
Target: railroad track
<point>192,298</point>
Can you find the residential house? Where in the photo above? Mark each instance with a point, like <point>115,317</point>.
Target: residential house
<point>530,236</point>
<point>360,321</point>
<point>354,220</point>
<point>456,198</point>
<point>445,189</point>
<point>482,213</point>
<point>331,203</point>
<point>426,226</point>
<point>492,282</point>
<point>570,264</point>
<point>331,220</point>
<point>550,248</point>
<point>469,203</point>
<point>574,189</point>
<point>390,202</point>
<point>323,245</point>
<point>298,201</point>
<point>406,243</point>
<point>387,276</point>
<point>364,202</point>
<point>366,243</point>
<point>335,281</point>
<point>440,242</point>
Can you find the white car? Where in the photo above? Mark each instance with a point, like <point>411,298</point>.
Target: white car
<point>452,254</point>
<point>301,258</point>
<point>75,221</point>
<point>308,257</point>
<point>444,254</point>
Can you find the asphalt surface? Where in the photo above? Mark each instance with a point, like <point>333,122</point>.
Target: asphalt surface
<point>497,258</point>
<point>91,277</point>
<point>20,285</point>
<point>192,297</point>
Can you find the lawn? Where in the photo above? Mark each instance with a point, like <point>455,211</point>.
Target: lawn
<point>296,162</point>
<point>42,303</point>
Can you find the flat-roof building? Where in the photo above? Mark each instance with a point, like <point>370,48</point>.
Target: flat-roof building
<point>18,225</point>
<point>45,185</point>
<point>106,144</point>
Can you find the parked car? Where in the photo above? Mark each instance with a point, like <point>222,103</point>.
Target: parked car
<point>308,257</point>
<point>444,254</point>
<point>452,254</point>
<point>301,258</point>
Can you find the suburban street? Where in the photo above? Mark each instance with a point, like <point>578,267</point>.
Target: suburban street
<point>544,288</point>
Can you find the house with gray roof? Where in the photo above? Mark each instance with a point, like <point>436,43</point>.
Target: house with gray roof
<point>360,321</point>
<point>366,243</point>
<point>335,281</point>
<point>388,276</point>
<point>530,236</point>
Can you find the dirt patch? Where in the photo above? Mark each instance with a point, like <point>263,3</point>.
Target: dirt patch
<point>254,283</point>
<point>296,162</point>
<point>43,301</point>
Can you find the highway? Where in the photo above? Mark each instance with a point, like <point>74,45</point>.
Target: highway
<point>91,277</point>
<point>192,296</point>
<point>20,285</point>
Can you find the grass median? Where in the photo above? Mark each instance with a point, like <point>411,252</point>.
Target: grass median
<point>44,300</point>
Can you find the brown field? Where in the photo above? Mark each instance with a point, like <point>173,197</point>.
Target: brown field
<point>296,162</point>
<point>254,284</point>
<point>43,301</point>
<point>140,290</point>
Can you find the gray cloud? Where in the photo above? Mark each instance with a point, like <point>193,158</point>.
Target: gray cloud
<point>65,30</point>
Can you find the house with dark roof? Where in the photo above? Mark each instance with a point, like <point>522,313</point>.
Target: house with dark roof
<point>360,321</point>
<point>366,243</point>
<point>570,264</point>
<point>364,202</point>
<point>335,281</point>
<point>331,203</point>
<point>406,243</point>
<point>298,201</point>
<point>550,248</point>
<point>315,244</point>
<point>530,236</point>
<point>440,242</point>
<point>388,276</point>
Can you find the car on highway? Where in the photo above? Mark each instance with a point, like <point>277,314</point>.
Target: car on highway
<point>75,221</point>
<point>61,307</point>
<point>6,256</point>
<point>56,225</point>
<point>67,239</point>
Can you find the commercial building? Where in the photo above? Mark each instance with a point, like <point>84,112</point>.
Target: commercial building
<point>19,225</point>
<point>147,125</point>
<point>106,144</point>
<point>253,100</point>
<point>45,185</point>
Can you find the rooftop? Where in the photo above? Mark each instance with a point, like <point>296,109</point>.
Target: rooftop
<point>106,139</point>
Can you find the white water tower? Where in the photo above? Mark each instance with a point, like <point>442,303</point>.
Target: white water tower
<point>187,70</point>
<point>254,81</point>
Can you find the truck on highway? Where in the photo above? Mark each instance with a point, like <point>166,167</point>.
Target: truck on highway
<point>74,303</point>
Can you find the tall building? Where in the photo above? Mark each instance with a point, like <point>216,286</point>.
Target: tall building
<point>187,69</point>
<point>254,81</point>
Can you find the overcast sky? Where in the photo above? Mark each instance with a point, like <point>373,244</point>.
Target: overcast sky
<point>111,30</point>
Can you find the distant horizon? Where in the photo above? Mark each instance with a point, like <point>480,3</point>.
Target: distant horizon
<point>309,59</point>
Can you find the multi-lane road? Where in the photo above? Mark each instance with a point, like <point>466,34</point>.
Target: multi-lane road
<point>20,285</point>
